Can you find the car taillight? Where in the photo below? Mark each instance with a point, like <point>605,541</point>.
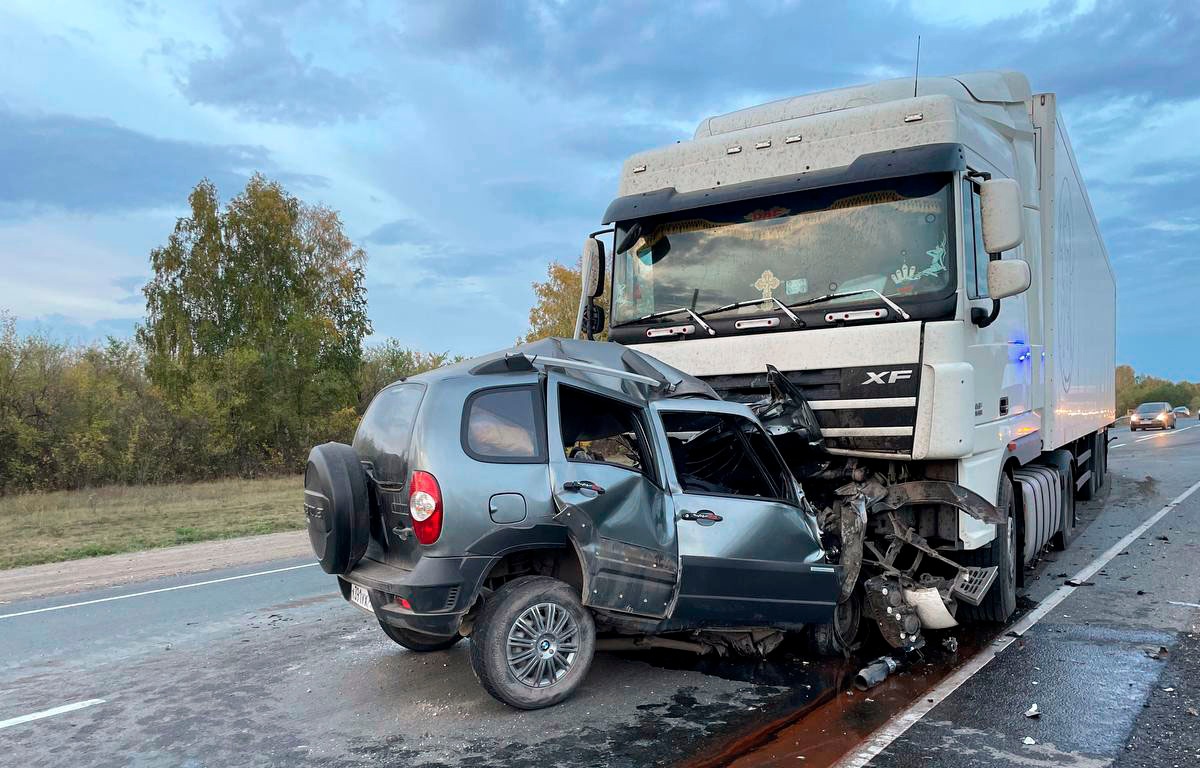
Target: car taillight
<point>425,506</point>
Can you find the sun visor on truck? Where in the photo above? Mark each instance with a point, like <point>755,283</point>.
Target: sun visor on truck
<point>890,164</point>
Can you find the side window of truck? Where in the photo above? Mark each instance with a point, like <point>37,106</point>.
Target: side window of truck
<point>975,258</point>
<point>714,453</point>
<point>598,428</point>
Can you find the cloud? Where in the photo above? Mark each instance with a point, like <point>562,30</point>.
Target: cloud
<point>398,232</point>
<point>260,77</point>
<point>94,165</point>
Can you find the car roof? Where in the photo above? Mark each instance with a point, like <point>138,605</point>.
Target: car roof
<point>515,363</point>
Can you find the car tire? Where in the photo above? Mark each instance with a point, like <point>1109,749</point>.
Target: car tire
<point>1005,553</point>
<point>523,617</point>
<point>1067,528</point>
<point>844,635</point>
<point>418,641</point>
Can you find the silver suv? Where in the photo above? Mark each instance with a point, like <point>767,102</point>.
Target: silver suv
<point>536,498</point>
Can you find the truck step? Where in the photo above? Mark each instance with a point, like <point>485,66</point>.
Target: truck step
<point>972,583</point>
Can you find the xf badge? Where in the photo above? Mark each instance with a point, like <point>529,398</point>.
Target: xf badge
<point>888,377</point>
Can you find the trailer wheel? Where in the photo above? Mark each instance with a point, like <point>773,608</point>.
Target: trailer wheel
<point>1001,600</point>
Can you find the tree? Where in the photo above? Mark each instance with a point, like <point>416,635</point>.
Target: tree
<point>557,302</point>
<point>254,327</point>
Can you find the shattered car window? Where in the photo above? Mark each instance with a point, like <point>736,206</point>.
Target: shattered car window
<point>597,428</point>
<point>712,453</point>
<point>502,424</point>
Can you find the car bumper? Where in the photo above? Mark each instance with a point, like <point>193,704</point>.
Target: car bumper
<point>437,592</point>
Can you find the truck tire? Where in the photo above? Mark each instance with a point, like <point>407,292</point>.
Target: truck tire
<point>335,503</point>
<point>533,642</point>
<point>1005,553</point>
<point>416,641</point>
<point>1067,528</point>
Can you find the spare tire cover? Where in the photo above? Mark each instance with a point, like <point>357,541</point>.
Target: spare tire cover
<point>336,505</point>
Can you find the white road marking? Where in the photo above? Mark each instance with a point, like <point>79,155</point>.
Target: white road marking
<point>1185,605</point>
<point>1118,445</point>
<point>1165,433</point>
<point>899,725</point>
<point>49,713</point>
<point>155,591</point>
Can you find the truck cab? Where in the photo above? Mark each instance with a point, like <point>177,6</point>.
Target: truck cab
<point>920,265</point>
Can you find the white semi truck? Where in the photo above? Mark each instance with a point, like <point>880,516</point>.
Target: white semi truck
<point>908,281</point>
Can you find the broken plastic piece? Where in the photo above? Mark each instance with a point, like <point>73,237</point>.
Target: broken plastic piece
<point>1033,711</point>
<point>1029,740</point>
<point>875,673</point>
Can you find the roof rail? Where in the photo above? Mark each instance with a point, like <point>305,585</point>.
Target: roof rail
<point>519,361</point>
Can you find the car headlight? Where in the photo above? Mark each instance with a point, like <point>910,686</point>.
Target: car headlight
<point>1161,417</point>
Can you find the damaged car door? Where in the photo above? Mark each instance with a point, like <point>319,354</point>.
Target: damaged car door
<point>607,491</point>
<point>749,546</point>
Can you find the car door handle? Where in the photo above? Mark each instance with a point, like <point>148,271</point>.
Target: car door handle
<point>583,485</point>
<point>703,516</point>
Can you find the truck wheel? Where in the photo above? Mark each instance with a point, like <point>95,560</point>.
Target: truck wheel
<point>1067,524</point>
<point>533,642</point>
<point>1004,553</point>
<point>416,641</point>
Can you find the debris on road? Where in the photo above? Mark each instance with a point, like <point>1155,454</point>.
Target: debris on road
<point>1033,711</point>
<point>875,673</point>
<point>1159,654</point>
<point>1078,583</point>
<point>1029,740</point>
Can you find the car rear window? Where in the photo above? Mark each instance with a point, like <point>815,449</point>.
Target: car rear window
<point>505,424</point>
<point>386,428</point>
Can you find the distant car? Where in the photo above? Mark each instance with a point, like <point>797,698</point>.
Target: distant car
<point>1182,410</point>
<point>1152,416</point>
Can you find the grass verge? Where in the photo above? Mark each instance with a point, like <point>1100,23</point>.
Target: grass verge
<point>68,525</point>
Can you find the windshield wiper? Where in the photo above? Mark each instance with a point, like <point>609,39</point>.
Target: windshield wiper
<point>751,302</point>
<point>831,296</point>
<point>667,313</point>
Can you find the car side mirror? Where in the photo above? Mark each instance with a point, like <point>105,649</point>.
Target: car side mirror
<point>1007,277</point>
<point>1000,204</point>
<point>593,267</point>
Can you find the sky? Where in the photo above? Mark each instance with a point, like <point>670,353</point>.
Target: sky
<point>468,144</point>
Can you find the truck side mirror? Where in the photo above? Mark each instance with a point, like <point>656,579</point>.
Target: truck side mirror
<point>1000,203</point>
<point>1007,277</point>
<point>593,268</point>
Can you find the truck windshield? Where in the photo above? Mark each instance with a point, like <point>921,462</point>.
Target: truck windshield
<point>892,236</point>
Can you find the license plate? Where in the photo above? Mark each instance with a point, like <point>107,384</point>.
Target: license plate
<point>362,598</point>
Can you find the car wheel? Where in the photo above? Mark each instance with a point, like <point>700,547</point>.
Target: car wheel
<point>843,635</point>
<point>417,641</point>
<point>533,642</point>
<point>1001,599</point>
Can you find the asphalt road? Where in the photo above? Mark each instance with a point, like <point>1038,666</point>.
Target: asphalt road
<point>266,665</point>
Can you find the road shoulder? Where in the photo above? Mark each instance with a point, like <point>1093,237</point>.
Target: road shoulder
<point>114,570</point>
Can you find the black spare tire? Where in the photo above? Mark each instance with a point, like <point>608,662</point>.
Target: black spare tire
<point>335,503</point>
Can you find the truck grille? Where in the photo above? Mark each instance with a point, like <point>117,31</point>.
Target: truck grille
<point>860,409</point>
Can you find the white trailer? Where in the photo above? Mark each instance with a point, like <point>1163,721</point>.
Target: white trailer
<point>922,269</point>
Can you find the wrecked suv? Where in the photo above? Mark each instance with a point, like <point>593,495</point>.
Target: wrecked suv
<point>534,499</point>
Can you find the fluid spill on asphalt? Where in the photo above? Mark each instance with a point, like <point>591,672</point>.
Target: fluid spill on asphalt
<point>822,717</point>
